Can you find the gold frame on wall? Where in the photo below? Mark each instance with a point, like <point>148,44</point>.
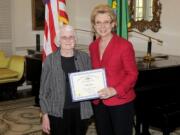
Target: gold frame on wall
<point>38,12</point>
<point>143,25</point>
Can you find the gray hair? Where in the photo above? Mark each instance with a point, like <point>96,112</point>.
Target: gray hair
<point>61,29</point>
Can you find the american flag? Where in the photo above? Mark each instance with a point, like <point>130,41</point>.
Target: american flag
<point>55,15</point>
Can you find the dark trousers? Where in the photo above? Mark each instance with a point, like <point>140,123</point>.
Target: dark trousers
<point>114,120</point>
<point>70,124</point>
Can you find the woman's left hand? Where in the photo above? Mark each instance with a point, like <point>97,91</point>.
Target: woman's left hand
<point>107,93</point>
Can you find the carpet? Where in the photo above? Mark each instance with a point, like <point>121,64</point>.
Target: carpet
<point>20,117</point>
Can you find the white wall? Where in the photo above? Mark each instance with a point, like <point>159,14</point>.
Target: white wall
<point>22,34</point>
<point>5,26</point>
<point>79,14</point>
<point>169,33</point>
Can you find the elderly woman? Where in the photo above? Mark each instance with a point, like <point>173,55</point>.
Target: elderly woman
<point>62,116</point>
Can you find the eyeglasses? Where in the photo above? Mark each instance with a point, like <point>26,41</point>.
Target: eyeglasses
<point>105,23</point>
<point>65,38</point>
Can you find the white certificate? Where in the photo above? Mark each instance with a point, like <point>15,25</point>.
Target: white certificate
<point>86,84</point>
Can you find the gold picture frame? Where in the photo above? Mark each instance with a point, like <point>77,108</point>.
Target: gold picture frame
<point>38,13</point>
<point>143,25</point>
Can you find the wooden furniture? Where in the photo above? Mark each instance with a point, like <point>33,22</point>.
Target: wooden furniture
<point>158,103</point>
<point>33,73</point>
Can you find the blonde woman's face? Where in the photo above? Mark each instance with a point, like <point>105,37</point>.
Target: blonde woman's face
<point>67,40</point>
<point>103,24</point>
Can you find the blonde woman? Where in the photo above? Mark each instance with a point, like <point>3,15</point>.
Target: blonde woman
<point>114,110</point>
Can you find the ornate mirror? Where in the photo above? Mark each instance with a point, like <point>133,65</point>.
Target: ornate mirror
<point>145,14</point>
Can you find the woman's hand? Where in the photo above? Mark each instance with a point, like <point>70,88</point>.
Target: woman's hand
<point>45,124</point>
<point>107,93</point>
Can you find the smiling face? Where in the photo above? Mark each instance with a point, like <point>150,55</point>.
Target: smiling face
<point>103,20</point>
<point>103,24</point>
<point>67,38</point>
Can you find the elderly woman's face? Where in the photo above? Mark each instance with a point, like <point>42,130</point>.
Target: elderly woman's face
<point>67,40</point>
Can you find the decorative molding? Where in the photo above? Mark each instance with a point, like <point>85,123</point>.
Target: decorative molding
<point>5,41</point>
<point>22,48</point>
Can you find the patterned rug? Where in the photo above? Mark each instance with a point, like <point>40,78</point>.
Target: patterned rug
<point>20,117</point>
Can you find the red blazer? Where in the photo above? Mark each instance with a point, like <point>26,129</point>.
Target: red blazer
<point>120,67</point>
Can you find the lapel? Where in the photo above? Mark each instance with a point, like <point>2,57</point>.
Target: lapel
<point>57,62</point>
<point>107,52</point>
<point>78,61</point>
<point>96,54</point>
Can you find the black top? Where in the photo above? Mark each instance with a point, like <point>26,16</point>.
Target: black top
<point>68,66</point>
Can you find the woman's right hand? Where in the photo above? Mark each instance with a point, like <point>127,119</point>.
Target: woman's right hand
<point>45,124</point>
<point>107,93</point>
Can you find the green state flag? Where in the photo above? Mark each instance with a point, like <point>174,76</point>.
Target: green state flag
<point>121,9</point>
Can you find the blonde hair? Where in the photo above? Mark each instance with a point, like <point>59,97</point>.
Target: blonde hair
<point>102,9</point>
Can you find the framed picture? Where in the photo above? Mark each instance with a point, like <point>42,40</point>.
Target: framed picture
<point>86,84</point>
<point>38,12</point>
